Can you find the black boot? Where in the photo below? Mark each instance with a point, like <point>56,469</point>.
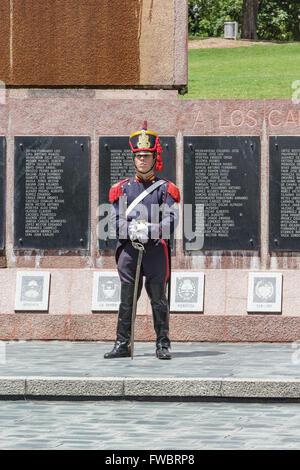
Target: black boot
<point>122,344</point>
<point>162,352</point>
<point>160,310</point>
<point>119,350</point>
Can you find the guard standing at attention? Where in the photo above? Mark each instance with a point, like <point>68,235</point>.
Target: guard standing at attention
<point>145,210</point>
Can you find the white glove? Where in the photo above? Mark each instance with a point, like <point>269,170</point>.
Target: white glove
<point>138,230</point>
<point>142,233</point>
<point>132,229</point>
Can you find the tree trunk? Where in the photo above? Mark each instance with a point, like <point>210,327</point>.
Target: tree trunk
<point>249,25</point>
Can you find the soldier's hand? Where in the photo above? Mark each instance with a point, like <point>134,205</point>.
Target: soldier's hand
<point>132,230</point>
<point>138,231</point>
<point>142,232</point>
<point>142,236</point>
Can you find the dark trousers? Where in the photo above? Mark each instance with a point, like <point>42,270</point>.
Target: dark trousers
<point>155,263</point>
<point>155,269</point>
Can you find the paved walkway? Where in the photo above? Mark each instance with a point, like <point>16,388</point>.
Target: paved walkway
<point>127,425</point>
<point>197,370</point>
<point>114,417</point>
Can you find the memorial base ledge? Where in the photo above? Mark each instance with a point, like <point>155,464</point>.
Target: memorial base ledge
<point>188,327</point>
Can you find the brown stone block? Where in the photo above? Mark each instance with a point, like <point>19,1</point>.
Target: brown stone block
<point>5,35</point>
<point>156,42</point>
<point>93,42</point>
<point>62,42</point>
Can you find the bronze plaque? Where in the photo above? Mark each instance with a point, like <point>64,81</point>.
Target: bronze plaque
<point>221,193</point>
<point>52,192</point>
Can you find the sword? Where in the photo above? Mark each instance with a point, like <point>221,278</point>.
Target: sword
<point>170,272</point>
<point>140,247</point>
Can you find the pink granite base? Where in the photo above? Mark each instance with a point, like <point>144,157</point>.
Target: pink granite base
<point>224,317</point>
<point>183,327</point>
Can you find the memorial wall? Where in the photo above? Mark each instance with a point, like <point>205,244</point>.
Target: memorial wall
<point>235,256</point>
<point>69,99</point>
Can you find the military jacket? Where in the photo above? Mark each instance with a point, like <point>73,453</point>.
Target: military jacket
<point>159,208</point>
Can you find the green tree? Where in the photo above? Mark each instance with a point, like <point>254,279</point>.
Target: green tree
<point>207,17</point>
<point>249,22</point>
<point>276,19</point>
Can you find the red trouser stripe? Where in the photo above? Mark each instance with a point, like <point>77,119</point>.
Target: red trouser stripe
<point>167,258</point>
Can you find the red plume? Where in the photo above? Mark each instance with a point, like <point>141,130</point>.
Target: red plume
<point>144,126</point>
<point>159,161</point>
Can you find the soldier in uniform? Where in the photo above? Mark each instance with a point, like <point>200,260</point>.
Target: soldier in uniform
<point>150,220</point>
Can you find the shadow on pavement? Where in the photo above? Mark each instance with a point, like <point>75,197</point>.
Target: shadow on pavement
<point>196,353</point>
<point>187,354</point>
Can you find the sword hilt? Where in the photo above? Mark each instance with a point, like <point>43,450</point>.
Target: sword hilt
<point>138,246</point>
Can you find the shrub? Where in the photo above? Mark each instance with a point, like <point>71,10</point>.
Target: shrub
<point>277,19</point>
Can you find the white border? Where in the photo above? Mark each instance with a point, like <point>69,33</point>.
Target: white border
<point>265,306</point>
<point>192,306</point>
<point>105,305</point>
<point>44,303</point>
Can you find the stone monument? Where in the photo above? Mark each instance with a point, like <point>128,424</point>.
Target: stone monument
<point>70,97</point>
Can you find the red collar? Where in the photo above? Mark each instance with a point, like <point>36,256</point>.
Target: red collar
<point>140,180</point>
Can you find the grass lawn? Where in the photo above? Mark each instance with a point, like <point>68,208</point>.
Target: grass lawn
<point>259,71</point>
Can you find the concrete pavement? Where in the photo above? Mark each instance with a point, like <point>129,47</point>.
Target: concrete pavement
<point>147,425</point>
<point>42,369</point>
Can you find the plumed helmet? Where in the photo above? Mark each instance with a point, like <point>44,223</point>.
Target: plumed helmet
<point>146,141</point>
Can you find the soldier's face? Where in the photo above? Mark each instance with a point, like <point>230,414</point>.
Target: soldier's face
<point>143,162</point>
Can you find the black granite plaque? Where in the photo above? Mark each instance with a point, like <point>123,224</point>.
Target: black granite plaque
<point>284,193</point>
<point>115,164</point>
<point>51,192</point>
<point>221,198</point>
<point>2,190</point>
